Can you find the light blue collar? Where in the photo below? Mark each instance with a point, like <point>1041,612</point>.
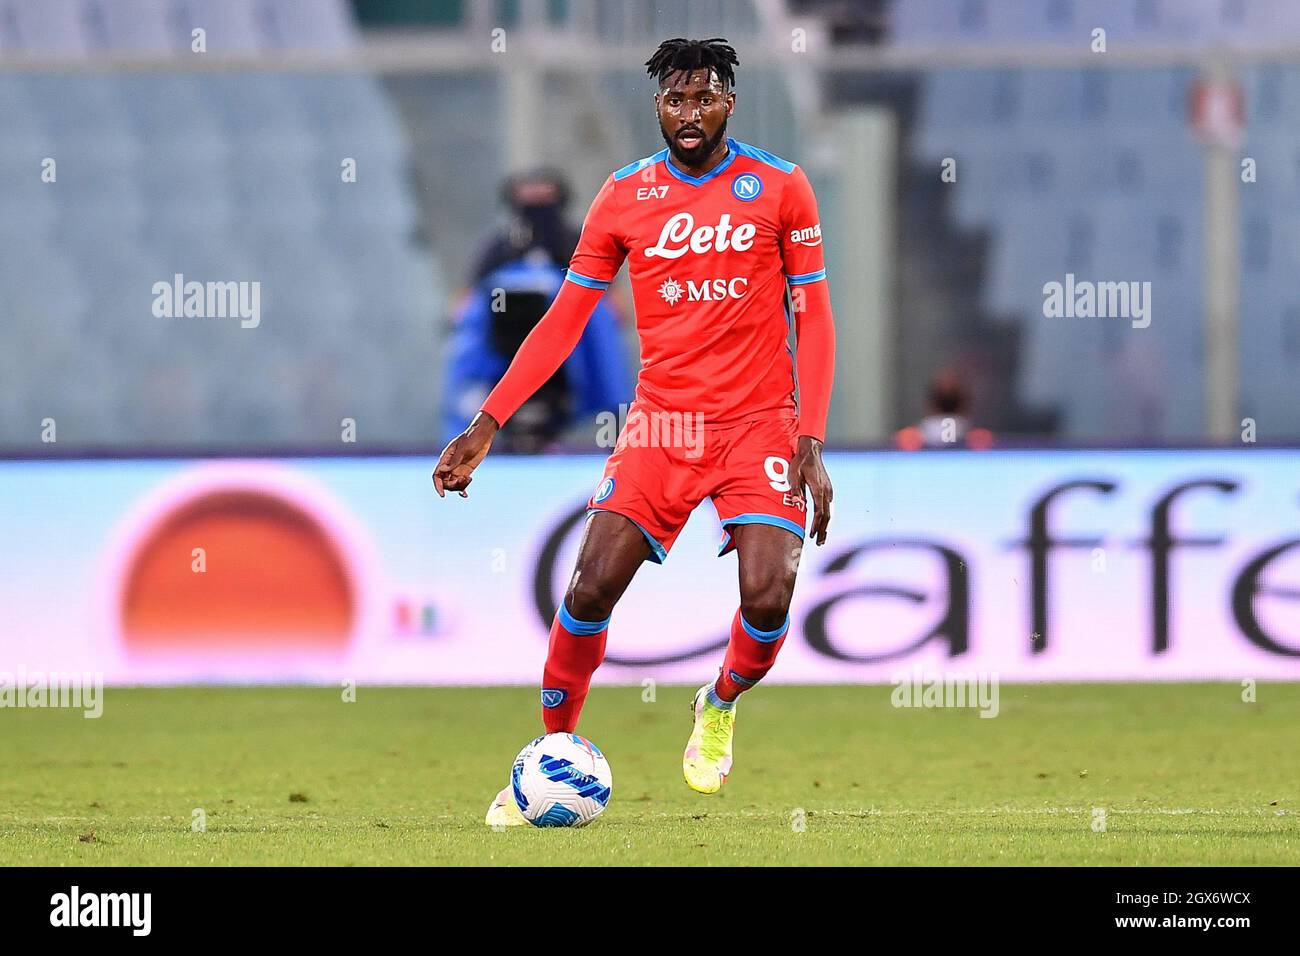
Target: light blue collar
<point>717,170</point>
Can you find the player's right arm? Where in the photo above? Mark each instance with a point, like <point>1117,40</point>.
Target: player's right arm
<point>596,261</point>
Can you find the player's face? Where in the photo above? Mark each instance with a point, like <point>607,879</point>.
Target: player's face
<point>693,110</point>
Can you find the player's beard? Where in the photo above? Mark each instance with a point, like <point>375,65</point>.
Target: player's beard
<point>694,157</point>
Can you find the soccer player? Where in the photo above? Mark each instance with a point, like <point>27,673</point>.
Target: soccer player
<point>724,251</point>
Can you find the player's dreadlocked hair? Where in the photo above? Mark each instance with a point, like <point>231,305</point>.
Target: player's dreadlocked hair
<point>678,54</point>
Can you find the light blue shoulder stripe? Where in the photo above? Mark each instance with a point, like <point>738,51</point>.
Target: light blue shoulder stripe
<point>763,156</point>
<point>633,168</point>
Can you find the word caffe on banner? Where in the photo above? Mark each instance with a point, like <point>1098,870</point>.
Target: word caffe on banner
<point>1044,565</point>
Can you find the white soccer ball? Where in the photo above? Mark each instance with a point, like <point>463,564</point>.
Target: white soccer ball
<point>561,780</point>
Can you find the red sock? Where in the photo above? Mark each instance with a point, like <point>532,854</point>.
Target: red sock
<point>750,655</point>
<point>576,650</point>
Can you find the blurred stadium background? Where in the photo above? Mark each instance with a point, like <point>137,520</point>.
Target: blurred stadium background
<point>294,455</point>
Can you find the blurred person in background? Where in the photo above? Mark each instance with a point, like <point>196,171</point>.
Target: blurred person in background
<point>946,423</point>
<point>517,276</point>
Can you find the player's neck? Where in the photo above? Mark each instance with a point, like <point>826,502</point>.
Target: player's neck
<point>714,158</point>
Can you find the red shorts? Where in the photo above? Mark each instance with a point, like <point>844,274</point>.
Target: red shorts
<point>665,464</point>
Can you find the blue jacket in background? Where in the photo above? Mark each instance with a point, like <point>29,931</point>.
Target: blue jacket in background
<point>598,370</point>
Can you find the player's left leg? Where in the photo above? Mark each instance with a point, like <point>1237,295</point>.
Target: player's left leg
<point>769,560</point>
<point>763,520</point>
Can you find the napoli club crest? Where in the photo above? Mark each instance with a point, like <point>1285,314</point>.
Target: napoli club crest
<point>605,490</point>
<point>553,697</point>
<point>746,187</point>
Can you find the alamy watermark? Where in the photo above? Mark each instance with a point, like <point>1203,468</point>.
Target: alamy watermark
<point>1098,300</point>
<point>919,689</point>
<point>84,691</point>
<point>650,428</point>
<point>130,910</point>
<point>208,300</point>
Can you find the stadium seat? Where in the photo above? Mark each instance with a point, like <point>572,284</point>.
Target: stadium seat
<point>170,113</point>
<point>954,100</point>
<point>1258,22</point>
<point>993,174</point>
<point>137,26</point>
<point>354,118</point>
<point>93,197</point>
<point>1066,97</point>
<point>83,115</point>
<point>232,27</point>
<point>323,26</point>
<point>51,27</point>
<point>1152,98</point>
<point>957,23</point>
<point>27,204</point>
<point>1270,354</point>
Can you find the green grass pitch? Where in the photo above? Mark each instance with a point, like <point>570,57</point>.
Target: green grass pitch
<point>1185,774</point>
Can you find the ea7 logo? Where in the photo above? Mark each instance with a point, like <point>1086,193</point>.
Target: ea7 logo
<point>808,236</point>
<point>652,192</point>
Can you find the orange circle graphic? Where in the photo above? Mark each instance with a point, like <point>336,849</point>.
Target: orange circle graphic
<point>268,578</point>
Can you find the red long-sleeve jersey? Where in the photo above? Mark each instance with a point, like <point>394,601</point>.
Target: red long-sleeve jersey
<point>720,265</point>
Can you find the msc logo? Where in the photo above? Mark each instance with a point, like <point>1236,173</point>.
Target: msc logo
<point>746,187</point>
<point>680,235</point>
<point>652,192</point>
<point>808,236</point>
<point>708,290</point>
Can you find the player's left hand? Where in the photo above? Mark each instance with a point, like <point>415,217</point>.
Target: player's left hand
<point>807,470</point>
